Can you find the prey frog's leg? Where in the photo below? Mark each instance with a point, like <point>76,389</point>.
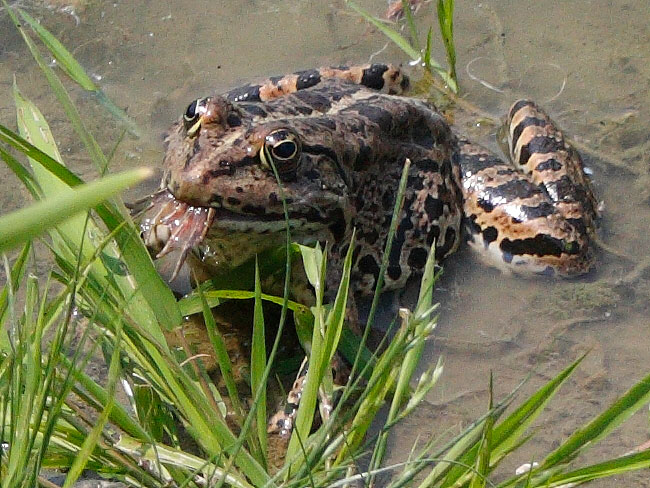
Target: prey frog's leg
<point>534,217</point>
<point>380,77</point>
<point>282,422</point>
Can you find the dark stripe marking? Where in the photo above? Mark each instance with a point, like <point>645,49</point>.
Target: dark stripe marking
<point>527,122</point>
<point>519,104</point>
<point>373,76</point>
<point>539,144</point>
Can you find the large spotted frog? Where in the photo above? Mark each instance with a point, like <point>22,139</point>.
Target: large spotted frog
<point>331,144</point>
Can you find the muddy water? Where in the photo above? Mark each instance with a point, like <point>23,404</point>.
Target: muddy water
<point>586,61</point>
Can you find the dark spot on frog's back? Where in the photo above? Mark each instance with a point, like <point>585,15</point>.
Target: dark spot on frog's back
<point>417,258</point>
<point>338,225</point>
<point>307,78</point>
<point>427,165</point>
<point>315,100</point>
<point>373,77</point>
<point>233,120</point>
<point>450,242</point>
<point>383,118</point>
<point>433,207</point>
<point>368,265</point>
<point>490,234</point>
<point>363,156</point>
<point>248,93</point>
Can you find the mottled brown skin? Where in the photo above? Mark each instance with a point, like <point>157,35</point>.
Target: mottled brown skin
<point>353,142</point>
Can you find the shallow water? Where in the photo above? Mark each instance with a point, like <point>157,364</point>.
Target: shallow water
<point>586,61</point>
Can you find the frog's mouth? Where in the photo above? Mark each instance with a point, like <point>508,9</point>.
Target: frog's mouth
<point>170,225</point>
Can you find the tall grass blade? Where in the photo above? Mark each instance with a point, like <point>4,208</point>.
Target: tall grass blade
<point>14,279</point>
<point>411,359</point>
<point>635,398</point>
<point>389,32</point>
<point>95,152</point>
<point>74,70</point>
<point>480,476</point>
<point>446,21</point>
<point>258,363</point>
<point>613,467</point>
<point>89,443</point>
<point>28,223</point>
<point>408,13</point>
<point>507,434</point>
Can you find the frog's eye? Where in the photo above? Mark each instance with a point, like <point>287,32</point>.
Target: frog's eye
<point>192,116</point>
<point>282,150</point>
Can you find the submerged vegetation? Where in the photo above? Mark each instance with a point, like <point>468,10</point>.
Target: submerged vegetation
<point>178,426</point>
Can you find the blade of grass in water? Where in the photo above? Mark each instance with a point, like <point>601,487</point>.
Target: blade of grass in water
<point>414,53</point>
<point>89,443</point>
<point>74,70</point>
<point>258,363</point>
<point>28,223</point>
<point>446,21</point>
<point>71,111</point>
<point>408,13</point>
<point>221,353</point>
<point>480,476</point>
<point>389,32</point>
<point>621,410</point>
<point>507,434</point>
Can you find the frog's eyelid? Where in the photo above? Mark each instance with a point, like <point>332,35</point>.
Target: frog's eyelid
<point>265,157</point>
<point>195,128</point>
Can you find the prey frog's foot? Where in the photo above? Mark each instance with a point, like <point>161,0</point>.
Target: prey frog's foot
<point>282,422</point>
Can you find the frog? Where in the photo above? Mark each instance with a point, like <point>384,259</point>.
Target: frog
<point>321,152</point>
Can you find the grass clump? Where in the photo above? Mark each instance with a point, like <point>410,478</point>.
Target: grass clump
<point>411,45</point>
<point>180,428</point>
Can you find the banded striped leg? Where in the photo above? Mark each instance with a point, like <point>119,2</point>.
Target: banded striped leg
<point>535,217</point>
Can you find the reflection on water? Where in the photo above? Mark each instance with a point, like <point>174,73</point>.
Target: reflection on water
<point>587,61</point>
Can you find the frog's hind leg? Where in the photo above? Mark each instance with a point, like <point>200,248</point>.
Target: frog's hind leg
<point>534,217</point>
<point>381,77</point>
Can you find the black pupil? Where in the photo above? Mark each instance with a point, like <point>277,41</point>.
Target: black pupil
<point>190,113</point>
<point>284,150</point>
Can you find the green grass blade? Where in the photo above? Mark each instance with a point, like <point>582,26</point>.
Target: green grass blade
<point>613,467</point>
<point>63,57</point>
<point>635,398</point>
<point>14,279</point>
<point>411,23</point>
<point>73,69</point>
<point>389,32</point>
<point>506,435</point>
<point>411,359</point>
<point>480,476</point>
<point>23,175</point>
<point>95,152</point>
<point>89,443</point>
<point>446,21</point>
<point>258,364</point>
<point>34,153</point>
<point>221,353</point>
<point>160,306</point>
<point>28,223</point>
